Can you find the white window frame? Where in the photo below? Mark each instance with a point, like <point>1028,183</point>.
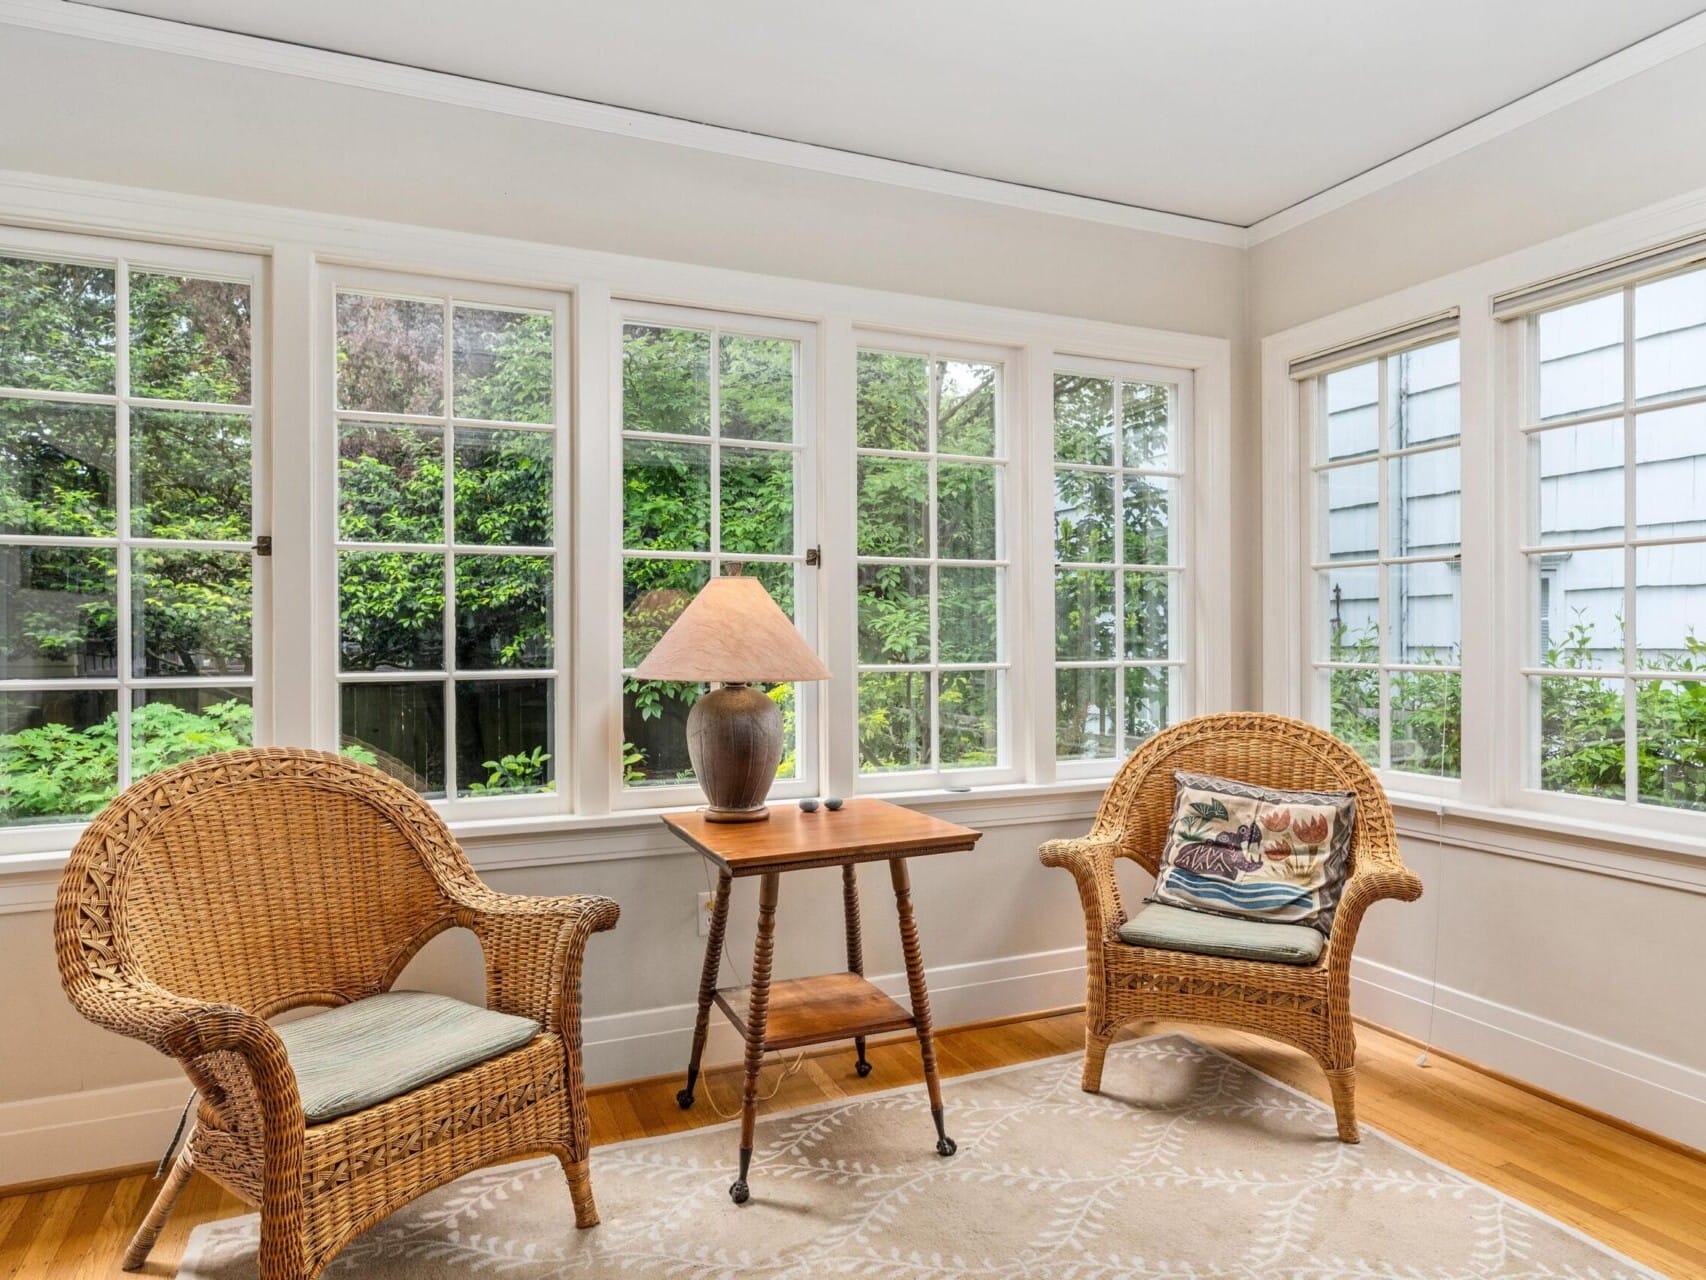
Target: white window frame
<point>333,280</point>
<point>125,256</point>
<point>808,698</point>
<point>1009,503</point>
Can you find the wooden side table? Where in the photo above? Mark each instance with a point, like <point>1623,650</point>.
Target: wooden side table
<point>797,1012</point>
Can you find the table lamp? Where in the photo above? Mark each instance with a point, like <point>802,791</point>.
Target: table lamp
<point>733,634</point>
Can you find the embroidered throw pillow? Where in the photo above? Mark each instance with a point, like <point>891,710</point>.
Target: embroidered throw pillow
<point>1256,853</point>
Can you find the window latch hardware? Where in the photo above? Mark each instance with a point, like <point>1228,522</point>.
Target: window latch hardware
<point>263,545</point>
<point>814,557</point>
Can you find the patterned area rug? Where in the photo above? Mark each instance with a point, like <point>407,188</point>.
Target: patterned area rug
<point>1189,1165</point>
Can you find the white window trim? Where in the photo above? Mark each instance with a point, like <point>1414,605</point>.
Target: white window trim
<point>294,245</point>
<point>1491,794</point>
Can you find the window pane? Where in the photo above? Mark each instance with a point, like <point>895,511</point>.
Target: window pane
<point>1581,736</point>
<point>1084,517</point>
<point>1084,622</point>
<point>390,354</point>
<point>1148,697</point>
<point>390,484</point>
<point>966,507</point>
<point>1581,482</point>
<point>1083,419</point>
<point>894,402</point>
<point>1353,411</point>
<point>58,754</point>
<point>1425,494</point>
<point>1427,613</point>
<point>58,613</point>
<point>894,613</point>
<point>1670,336</point>
<point>1423,387</point>
<point>170,726</point>
<point>1670,472</point>
<point>1581,356</point>
<point>1148,614</point>
<point>666,496</point>
<point>969,713</point>
<point>654,732</point>
<point>1350,612</point>
<point>757,512</point>
<point>190,475</point>
<point>1670,732</point>
<point>968,609</point>
<point>654,592</point>
<point>756,387</point>
<point>1146,422</point>
<point>1670,606</point>
<point>503,737</point>
<point>1350,511</point>
<point>1354,715</point>
<point>57,469</point>
<point>192,613</point>
<point>666,380</point>
<point>398,728</point>
<point>59,326</point>
<point>391,611</point>
<point>894,721</point>
<point>189,339</point>
<point>1146,510</point>
<point>1086,726</point>
<point>504,365</point>
<point>1427,722</point>
<point>894,508</point>
<point>504,490</point>
<point>1581,621</point>
<point>965,408</point>
<point>503,612</point>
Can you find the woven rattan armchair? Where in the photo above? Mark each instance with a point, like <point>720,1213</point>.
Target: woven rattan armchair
<point>1305,1006</point>
<point>211,896</point>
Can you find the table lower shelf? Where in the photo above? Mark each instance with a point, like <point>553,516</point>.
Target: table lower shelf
<point>806,1011</point>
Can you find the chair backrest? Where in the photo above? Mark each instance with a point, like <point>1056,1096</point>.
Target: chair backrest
<point>1263,750</point>
<point>265,878</point>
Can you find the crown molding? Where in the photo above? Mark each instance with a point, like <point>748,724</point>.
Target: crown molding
<point>1626,63</point>
<point>161,36</point>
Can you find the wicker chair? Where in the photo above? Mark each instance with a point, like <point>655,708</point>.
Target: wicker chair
<point>1305,1006</point>
<point>214,895</point>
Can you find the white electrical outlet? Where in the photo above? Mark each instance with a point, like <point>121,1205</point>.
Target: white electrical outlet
<point>705,900</point>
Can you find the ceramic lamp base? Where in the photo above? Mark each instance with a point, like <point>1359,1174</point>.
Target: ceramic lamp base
<point>734,738</point>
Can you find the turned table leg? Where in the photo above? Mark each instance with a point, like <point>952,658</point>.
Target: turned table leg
<point>855,950</point>
<point>707,987</point>
<point>758,1007</point>
<point>920,998</point>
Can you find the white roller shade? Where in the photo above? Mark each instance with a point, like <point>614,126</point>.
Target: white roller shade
<point>1384,343</point>
<point>1657,260</point>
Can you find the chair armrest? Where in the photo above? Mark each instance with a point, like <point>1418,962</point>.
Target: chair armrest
<point>1091,862</point>
<point>534,948</point>
<point>1384,876</point>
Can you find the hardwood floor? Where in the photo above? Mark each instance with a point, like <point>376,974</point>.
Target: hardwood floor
<point>1640,1196</point>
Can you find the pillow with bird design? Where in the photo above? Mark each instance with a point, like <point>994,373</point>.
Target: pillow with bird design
<point>1256,853</point>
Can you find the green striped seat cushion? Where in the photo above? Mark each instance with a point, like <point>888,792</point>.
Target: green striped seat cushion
<point>357,1056</point>
<point>1176,929</point>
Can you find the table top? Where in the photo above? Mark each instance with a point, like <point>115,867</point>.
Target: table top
<point>862,830</point>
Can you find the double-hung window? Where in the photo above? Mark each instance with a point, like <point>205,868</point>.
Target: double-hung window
<point>933,667</point>
<point>449,404</point>
<point>1387,619</point>
<point>1119,558</point>
<point>128,508</point>
<point>715,417</point>
<point>1614,659</point>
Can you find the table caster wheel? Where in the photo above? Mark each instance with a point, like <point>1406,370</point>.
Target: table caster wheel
<point>946,1146</point>
<point>740,1193</point>
<point>684,1098</point>
<point>863,1068</point>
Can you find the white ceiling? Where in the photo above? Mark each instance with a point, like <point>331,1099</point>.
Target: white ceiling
<point>1229,110</point>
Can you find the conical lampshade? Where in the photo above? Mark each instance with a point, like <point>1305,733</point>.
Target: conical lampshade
<point>732,633</point>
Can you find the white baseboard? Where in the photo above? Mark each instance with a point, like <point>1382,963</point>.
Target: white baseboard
<point>67,1134</point>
